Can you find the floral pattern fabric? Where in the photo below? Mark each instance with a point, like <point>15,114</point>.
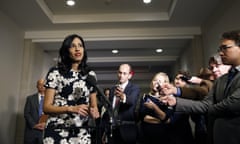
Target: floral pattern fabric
<point>71,89</point>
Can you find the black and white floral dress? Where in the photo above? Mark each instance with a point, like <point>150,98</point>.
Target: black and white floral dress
<point>71,89</point>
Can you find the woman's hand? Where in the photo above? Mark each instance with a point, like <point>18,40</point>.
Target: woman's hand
<point>81,109</point>
<point>94,112</point>
<point>149,104</point>
<point>160,114</point>
<point>169,100</point>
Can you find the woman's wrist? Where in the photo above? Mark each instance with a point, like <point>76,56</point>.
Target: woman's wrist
<point>69,109</point>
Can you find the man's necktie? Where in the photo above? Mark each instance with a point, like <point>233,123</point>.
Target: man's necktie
<point>231,74</point>
<point>116,107</point>
<point>117,101</point>
<point>41,106</point>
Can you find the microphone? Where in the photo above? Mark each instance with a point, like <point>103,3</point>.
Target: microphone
<point>91,80</point>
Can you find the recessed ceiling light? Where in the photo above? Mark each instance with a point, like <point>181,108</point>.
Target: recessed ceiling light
<point>147,1</point>
<point>70,2</point>
<point>159,50</point>
<point>115,51</point>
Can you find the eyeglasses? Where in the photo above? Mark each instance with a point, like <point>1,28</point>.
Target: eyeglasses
<point>224,48</point>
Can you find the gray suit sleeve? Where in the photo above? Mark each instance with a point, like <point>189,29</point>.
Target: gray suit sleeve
<point>192,106</point>
<point>230,106</point>
<point>216,103</point>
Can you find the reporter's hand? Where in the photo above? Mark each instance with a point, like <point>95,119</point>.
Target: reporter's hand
<point>168,89</point>
<point>195,80</point>
<point>119,93</point>
<point>169,100</point>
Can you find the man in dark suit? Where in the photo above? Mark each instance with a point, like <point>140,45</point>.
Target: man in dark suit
<point>32,113</point>
<point>124,98</point>
<point>223,101</point>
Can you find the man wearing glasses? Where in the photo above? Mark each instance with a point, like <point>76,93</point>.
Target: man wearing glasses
<point>222,104</point>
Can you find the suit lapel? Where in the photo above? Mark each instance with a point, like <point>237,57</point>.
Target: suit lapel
<point>235,78</point>
<point>36,102</point>
<point>127,88</point>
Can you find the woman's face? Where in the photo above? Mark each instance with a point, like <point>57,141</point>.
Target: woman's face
<point>76,50</point>
<point>156,82</point>
<point>219,69</point>
<point>178,82</point>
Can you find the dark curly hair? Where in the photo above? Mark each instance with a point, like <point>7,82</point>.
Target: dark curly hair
<point>65,61</point>
<point>183,72</point>
<point>185,75</point>
<point>232,35</point>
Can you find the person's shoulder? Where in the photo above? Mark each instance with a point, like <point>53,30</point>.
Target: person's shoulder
<point>92,73</point>
<point>32,96</point>
<point>53,70</point>
<point>133,85</point>
<point>221,78</point>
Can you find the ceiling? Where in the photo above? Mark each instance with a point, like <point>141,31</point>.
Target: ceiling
<point>134,28</point>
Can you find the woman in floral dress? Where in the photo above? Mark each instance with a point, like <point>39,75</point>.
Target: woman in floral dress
<point>69,99</point>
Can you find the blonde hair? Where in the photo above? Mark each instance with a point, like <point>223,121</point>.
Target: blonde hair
<point>166,78</point>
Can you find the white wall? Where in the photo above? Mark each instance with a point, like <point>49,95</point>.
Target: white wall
<point>48,63</point>
<point>224,18</point>
<point>32,71</point>
<point>21,66</point>
<point>11,45</point>
<point>191,58</point>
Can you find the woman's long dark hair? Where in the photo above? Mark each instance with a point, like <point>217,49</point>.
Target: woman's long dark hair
<point>65,63</point>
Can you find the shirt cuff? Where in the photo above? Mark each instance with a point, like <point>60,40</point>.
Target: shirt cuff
<point>124,98</point>
<point>178,94</point>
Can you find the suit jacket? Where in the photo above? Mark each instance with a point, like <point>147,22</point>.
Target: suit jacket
<point>197,92</point>
<point>126,112</point>
<point>223,110</point>
<point>31,115</point>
